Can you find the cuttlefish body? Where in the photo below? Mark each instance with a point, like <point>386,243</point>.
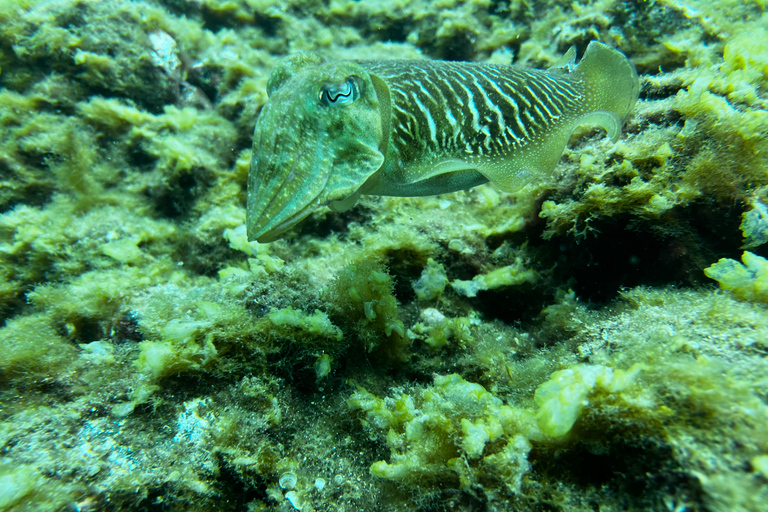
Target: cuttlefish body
<point>332,130</point>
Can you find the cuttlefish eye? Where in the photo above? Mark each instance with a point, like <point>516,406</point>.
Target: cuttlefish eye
<point>338,95</point>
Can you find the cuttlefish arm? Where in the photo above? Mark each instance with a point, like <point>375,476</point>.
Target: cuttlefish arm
<point>334,130</point>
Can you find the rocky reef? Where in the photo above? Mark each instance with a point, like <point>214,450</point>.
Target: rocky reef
<point>562,348</point>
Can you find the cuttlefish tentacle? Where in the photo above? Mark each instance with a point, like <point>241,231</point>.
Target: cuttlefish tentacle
<point>332,131</point>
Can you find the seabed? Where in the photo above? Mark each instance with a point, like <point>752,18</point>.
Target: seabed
<point>593,342</point>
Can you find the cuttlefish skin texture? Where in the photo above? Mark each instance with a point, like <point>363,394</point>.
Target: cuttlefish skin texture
<point>332,130</point>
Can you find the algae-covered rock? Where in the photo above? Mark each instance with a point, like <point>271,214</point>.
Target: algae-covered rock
<point>152,358</point>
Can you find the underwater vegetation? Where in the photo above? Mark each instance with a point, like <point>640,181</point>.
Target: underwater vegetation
<point>596,340</point>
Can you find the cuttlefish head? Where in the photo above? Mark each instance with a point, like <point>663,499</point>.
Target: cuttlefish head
<point>317,140</point>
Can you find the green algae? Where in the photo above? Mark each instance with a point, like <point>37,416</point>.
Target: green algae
<point>363,302</point>
<point>152,358</point>
<point>747,281</point>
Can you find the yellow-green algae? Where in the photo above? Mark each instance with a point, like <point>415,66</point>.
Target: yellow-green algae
<point>151,358</point>
<point>747,281</point>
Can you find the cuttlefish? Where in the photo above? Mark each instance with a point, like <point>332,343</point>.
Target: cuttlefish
<point>332,130</point>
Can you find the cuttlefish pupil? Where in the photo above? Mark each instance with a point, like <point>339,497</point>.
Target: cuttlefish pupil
<point>415,128</point>
<point>339,94</point>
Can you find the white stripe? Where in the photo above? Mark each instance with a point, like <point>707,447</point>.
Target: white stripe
<point>488,139</point>
<point>541,114</point>
<point>552,97</point>
<point>412,131</point>
<point>430,121</point>
<point>448,112</point>
<point>491,105</point>
<point>522,97</point>
<point>472,107</point>
<point>511,99</point>
<point>554,117</point>
<point>531,119</point>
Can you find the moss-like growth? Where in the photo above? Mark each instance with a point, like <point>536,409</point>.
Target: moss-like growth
<point>754,224</point>
<point>30,345</point>
<point>364,303</point>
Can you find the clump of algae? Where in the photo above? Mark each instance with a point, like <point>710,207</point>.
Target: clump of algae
<point>363,296</point>
<point>748,281</point>
<point>432,281</point>
<point>461,430</point>
<point>138,321</point>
